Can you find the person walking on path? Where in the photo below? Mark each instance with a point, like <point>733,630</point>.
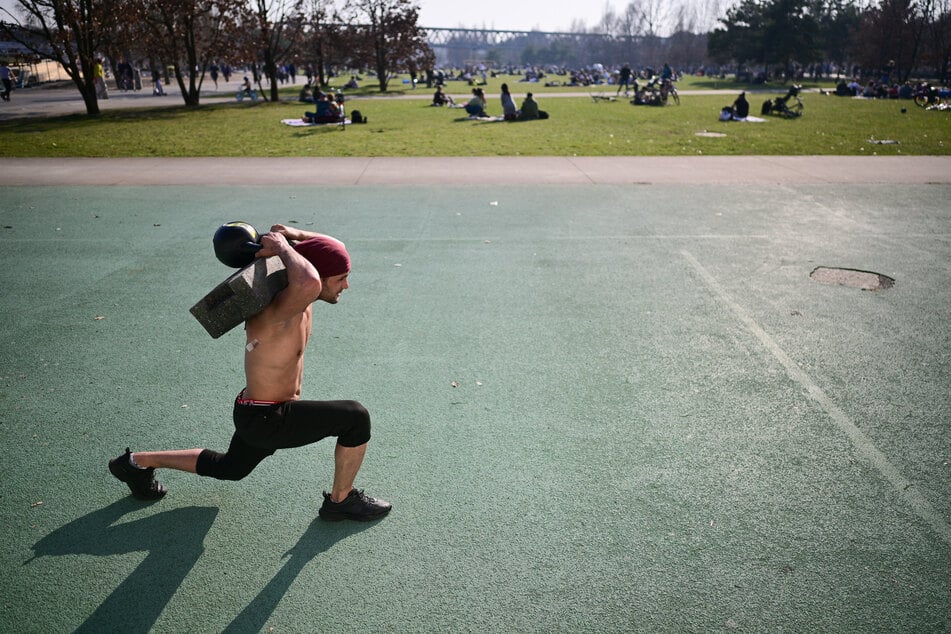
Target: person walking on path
<point>624,80</point>
<point>6,78</point>
<point>99,79</point>
<point>269,413</point>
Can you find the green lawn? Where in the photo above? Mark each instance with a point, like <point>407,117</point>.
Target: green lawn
<point>579,126</point>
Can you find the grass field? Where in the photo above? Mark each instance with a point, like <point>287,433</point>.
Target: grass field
<point>579,126</point>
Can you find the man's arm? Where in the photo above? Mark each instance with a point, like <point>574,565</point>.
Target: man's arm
<point>303,280</point>
<point>293,233</point>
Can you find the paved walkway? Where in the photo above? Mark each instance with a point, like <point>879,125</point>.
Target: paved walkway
<point>485,171</point>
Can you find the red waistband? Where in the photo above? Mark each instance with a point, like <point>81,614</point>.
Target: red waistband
<point>241,400</point>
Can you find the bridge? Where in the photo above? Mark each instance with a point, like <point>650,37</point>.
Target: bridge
<point>468,38</point>
<point>461,45</point>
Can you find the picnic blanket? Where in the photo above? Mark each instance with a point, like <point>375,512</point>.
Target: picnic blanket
<point>297,123</point>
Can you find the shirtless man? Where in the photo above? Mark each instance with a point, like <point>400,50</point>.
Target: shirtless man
<point>268,412</point>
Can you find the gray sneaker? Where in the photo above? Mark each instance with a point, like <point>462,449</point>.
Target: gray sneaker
<point>356,506</point>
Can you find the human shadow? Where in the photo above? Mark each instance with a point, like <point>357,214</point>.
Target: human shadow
<point>174,540</point>
<point>318,538</point>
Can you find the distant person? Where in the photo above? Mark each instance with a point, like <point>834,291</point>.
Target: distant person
<point>247,90</point>
<point>124,78</point>
<point>624,80</point>
<point>306,94</point>
<point>442,99</point>
<point>99,80</point>
<point>157,89</point>
<point>741,107</point>
<point>476,106</point>
<point>328,111</point>
<point>5,77</point>
<point>509,111</point>
<point>530,110</point>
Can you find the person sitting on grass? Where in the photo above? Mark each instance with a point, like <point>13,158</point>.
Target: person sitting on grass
<point>530,110</point>
<point>741,107</point>
<point>306,94</point>
<point>442,99</point>
<point>328,111</point>
<point>476,106</point>
<point>509,112</point>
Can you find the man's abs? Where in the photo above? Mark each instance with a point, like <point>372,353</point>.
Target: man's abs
<point>274,358</point>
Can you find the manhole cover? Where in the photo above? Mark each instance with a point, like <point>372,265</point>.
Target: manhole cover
<point>865,280</point>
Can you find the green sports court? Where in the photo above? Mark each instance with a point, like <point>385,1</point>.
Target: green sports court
<point>607,396</point>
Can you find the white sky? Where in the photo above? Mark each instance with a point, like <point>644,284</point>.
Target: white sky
<point>511,15</point>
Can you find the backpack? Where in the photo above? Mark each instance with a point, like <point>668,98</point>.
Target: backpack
<point>767,106</point>
<point>357,117</point>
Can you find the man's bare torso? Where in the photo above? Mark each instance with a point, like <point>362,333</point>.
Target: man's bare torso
<point>274,356</point>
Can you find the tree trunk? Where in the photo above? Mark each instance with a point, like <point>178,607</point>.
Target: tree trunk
<point>87,88</point>
<point>381,70</point>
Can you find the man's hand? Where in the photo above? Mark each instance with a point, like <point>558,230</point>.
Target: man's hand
<point>272,243</point>
<point>289,232</point>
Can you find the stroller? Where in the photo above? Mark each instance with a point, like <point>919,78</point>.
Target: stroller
<point>781,106</point>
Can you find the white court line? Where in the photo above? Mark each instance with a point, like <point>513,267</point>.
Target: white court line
<point>862,443</point>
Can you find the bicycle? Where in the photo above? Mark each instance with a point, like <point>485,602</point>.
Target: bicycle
<point>668,90</point>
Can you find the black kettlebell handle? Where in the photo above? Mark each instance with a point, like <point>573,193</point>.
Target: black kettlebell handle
<point>251,247</point>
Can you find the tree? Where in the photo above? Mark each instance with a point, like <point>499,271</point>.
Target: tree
<point>188,34</point>
<point>837,20</point>
<point>890,38</point>
<point>740,37</point>
<point>389,35</point>
<point>70,32</point>
<point>938,44</point>
<point>318,38</point>
<point>279,25</point>
<point>767,32</point>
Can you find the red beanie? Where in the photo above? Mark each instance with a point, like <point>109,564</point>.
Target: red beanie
<point>328,255</point>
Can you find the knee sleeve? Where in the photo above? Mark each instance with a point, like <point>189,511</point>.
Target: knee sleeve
<point>222,466</point>
<point>357,431</point>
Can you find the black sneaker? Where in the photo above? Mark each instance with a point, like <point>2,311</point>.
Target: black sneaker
<point>141,481</point>
<point>356,506</point>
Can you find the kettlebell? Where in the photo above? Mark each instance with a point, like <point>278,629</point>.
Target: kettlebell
<point>236,243</point>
